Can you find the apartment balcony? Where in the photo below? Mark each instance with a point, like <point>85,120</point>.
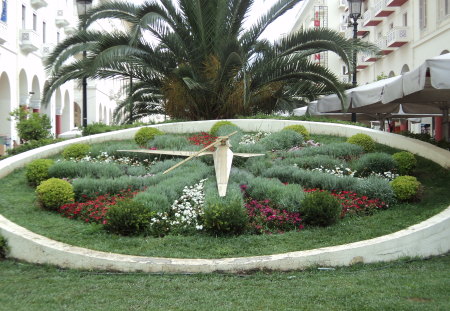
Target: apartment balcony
<point>37,4</point>
<point>397,37</point>
<point>384,48</point>
<point>343,4</point>
<point>381,9</point>
<point>369,57</point>
<point>70,30</point>
<point>369,18</point>
<point>47,49</point>
<point>29,40</point>
<point>61,19</point>
<point>343,27</point>
<point>346,79</point>
<point>361,63</point>
<point>396,2</point>
<point>3,32</point>
<point>361,31</point>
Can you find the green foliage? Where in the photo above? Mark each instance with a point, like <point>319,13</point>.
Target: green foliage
<point>310,162</point>
<point>362,140</point>
<point>54,192</point>
<point>33,144</point>
<point>128,218</point>
<point>146,134</point>
<point>406,188</point>
<point>377,162</point>
<point>225,215</point>
<point>406,162</point>
<point>214,131</point>
<point>31,125</point>
<point>70,169</point>
<point>282,140</point>
<point>299,129</point>
<point>170,142</point>
<point>287,197</point>
<point>374,187</point>
<point>76,151</point>
<point>98,128</point>
<point>336,150</point>
<point>258,165</point>
<point>3,247</point>
<point>38,171</point>
<point>321,209</point>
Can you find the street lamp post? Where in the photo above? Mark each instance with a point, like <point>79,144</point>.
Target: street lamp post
<point>83,6</point>
<point>354,8</point>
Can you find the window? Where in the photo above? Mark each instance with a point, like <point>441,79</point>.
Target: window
<point>405,19</point>
<point>4,11</point>
<point>58,37</point>
<point>44,30</point>
<point>34,22</point>
<point>444,9</point>
<point>24,15</point>
<point>422,14</point>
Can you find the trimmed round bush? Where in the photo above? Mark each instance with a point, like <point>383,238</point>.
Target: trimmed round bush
<point>377,162</point>
<point>128,218</point>
<point>214,129</point>
<point>37,171</point>
<point>362,140</point>
<point>76,151</point>
<point>299,129</point>
<point>406,188</point>
<point>406,162</point>
<point>321,209</point>
<point>225,215</point>
<point>54,192</point>
<point>146,134</point>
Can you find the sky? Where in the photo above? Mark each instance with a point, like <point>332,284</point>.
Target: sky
<point>281,26</point>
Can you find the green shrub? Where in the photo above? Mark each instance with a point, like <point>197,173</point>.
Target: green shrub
<point>258,165</point>
<point>227,129</point>
<point>406,188</point>
<point>98,127</point>
<point>374,187</point>
<point>75,151</point>
<point>310,162</point>
<point>282,140</point>
<point>378,162</point>
<point>146,134</point>
<point>70,169</point>
<point>215,128</point>
<point>3,247</point>
<point>38,171</point>
<point>406,162</point>
<point>335,150</point>
<point>33,144</point>
<point>286,197</point>
<point>225,215</point>
<point>31,125</point>
<point>128,218</point>
<point>299,129</point>
<point>171,142</point>
<point>362,140</point>
<point>320,208</point>
<point>54,192</point>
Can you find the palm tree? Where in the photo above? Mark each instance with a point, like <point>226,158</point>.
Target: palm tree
<point>204,64</point>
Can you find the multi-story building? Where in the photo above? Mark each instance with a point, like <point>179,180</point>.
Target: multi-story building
<point>407,32</point>
<point>29,30</point>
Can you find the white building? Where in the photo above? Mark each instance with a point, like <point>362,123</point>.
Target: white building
<point>29,30</point>
<point>407,32</point>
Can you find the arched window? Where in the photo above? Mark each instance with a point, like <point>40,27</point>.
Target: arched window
<point>391,74</point>
<point>444,52</point>
<point>405,68</point>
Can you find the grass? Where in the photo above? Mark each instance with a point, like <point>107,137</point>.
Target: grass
<point>407,284</point>
<point>17,204</point>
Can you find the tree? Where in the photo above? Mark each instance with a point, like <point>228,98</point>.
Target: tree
<point>204,64</point>
<point>31,125</point>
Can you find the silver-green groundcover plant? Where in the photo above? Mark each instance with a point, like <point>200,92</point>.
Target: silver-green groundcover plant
<point>193,59</point>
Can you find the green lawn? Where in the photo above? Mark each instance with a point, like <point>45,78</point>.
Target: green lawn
<point>401,285</point>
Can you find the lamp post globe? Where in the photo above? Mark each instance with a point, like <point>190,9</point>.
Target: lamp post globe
<point>83,6</point>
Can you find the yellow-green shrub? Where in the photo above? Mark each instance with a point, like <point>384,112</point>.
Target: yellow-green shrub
<point>37,171</point>
<point>362,140</point>
<point>406,188</point>
<point>54,192</point>
<point>299,129</point>
<point>217,125</point>
<point>76,151</point>
<point>406,162</point>
<point>146,134</point>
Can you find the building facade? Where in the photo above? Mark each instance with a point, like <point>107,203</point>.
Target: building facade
<point>29,31</point>
<point>407,33</point>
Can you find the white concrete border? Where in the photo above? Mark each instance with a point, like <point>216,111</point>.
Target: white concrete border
<point>430,237</point>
